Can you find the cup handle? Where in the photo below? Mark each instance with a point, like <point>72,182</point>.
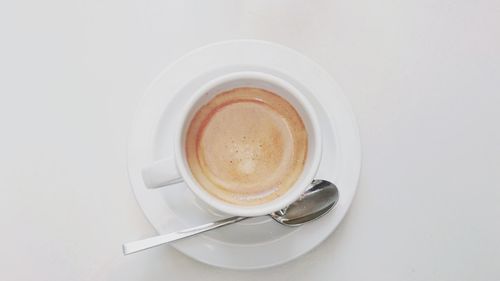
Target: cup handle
<point>161,173</point>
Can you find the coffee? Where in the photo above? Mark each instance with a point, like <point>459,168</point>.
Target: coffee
<point>246,146</point>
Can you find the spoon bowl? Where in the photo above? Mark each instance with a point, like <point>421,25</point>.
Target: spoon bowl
<point>318,200</point>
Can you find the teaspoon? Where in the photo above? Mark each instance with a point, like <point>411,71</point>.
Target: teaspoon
<point>320,197</point>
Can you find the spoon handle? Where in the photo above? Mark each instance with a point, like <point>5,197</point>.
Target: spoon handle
<point>136,246</point>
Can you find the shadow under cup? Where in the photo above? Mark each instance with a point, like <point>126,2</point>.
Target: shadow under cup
<point>271,84</point>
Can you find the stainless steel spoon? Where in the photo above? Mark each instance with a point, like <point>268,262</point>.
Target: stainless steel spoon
<point>320,197</point>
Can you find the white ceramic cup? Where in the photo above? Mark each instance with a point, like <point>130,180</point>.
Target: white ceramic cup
<point>176,169</point>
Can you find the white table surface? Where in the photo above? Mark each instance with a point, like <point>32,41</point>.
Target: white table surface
<point>423,78</point>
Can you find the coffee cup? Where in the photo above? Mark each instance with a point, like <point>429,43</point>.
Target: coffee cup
<point>165,172</point>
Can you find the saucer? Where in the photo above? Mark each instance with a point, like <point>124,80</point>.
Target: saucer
<point>258,242</point>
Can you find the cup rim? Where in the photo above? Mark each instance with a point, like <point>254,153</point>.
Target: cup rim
<point>256,210</point>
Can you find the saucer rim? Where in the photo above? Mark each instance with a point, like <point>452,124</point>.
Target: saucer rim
<point>356,148</point>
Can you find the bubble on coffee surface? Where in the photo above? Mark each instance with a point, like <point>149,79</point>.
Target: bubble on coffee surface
<point>246,155</point>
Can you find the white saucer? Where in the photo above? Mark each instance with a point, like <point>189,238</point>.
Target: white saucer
<point>258,242</point>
